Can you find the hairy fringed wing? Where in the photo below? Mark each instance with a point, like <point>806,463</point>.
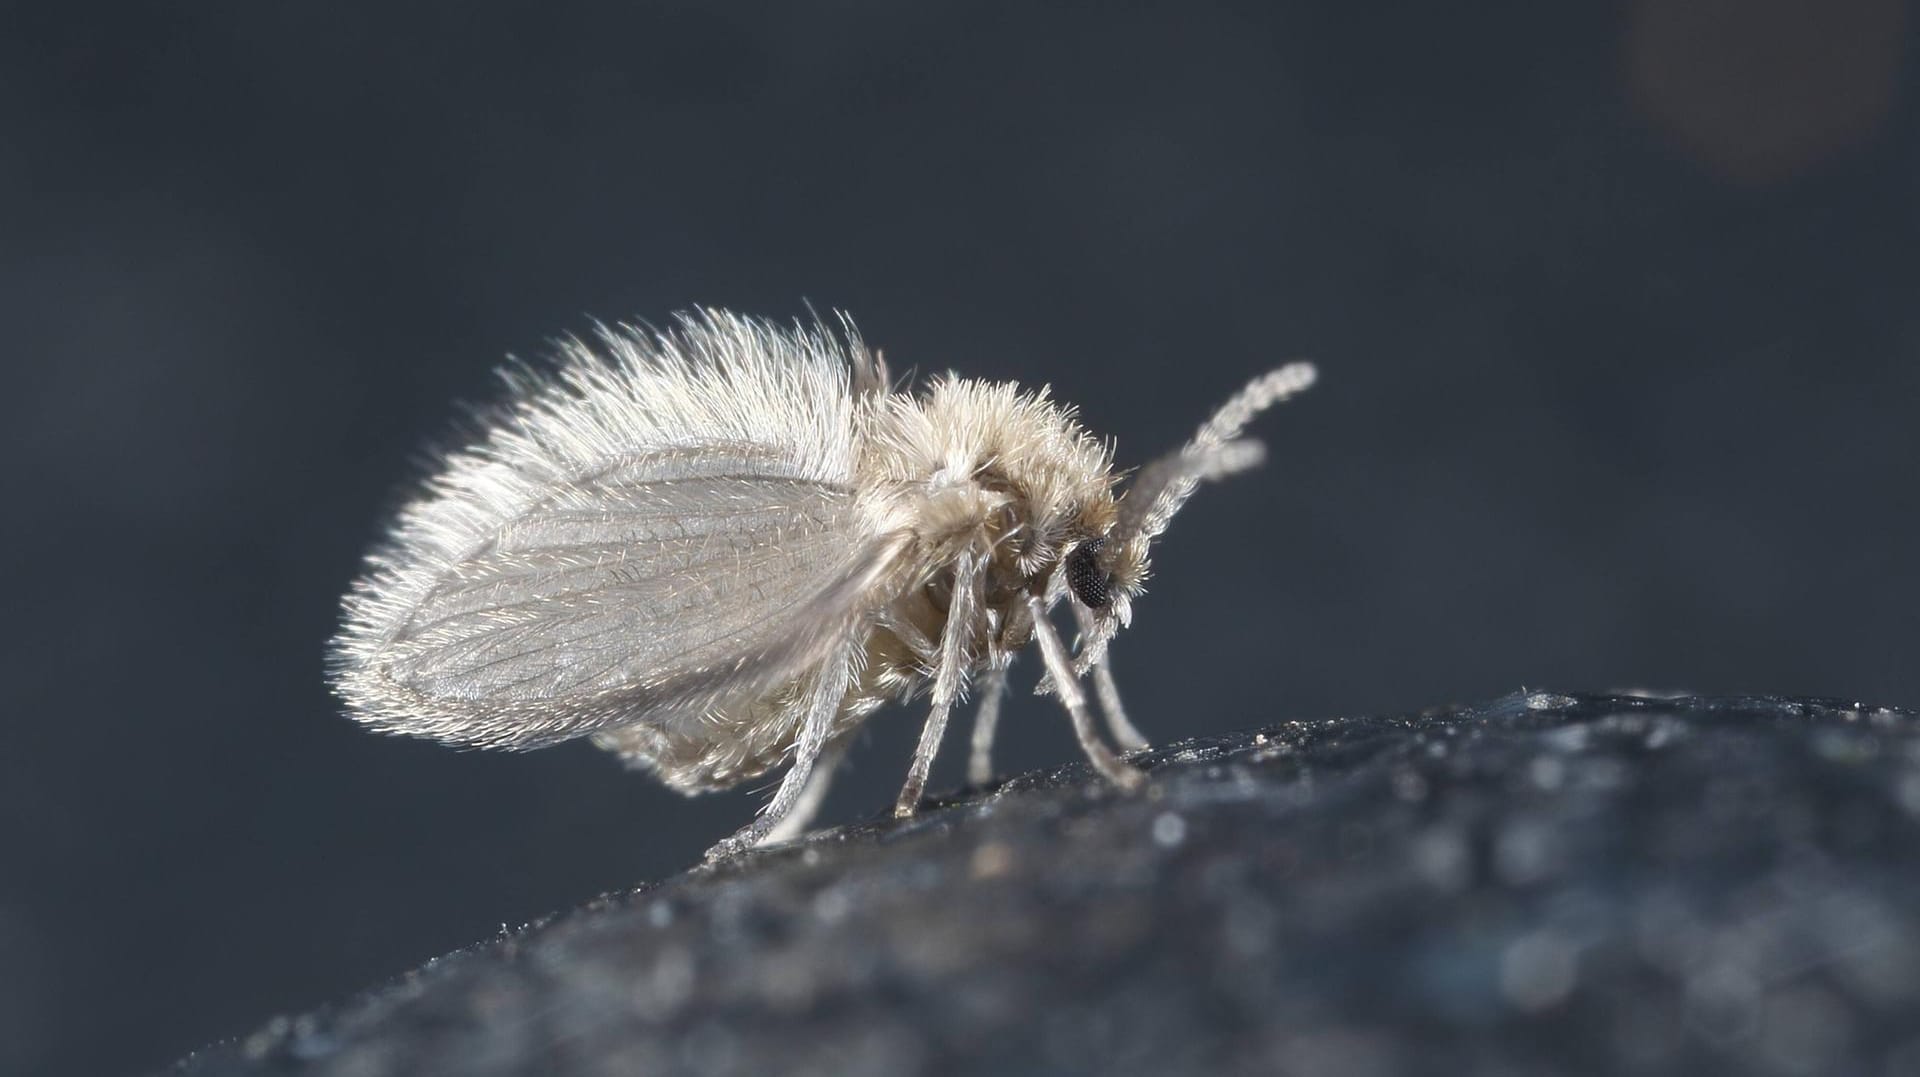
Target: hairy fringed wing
<point>645,539</point>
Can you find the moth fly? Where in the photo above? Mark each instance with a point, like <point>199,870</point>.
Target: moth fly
<point>717,548</point>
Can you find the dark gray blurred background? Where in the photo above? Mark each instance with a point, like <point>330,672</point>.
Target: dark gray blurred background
<point>1617,308</point>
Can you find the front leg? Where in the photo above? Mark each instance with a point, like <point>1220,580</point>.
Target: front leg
<point>1125,733</point>
<point>1067,687</point>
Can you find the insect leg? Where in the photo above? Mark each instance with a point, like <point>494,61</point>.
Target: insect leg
<point>1125,733</point>
<point>800,818</point>
<point>993,688</point>
<point>948,677</point>
<point>1067,687</point>
<point>829,691</point>
<point>916,641</point>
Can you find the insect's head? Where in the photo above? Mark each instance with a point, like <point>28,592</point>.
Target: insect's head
<point>1105,573</point>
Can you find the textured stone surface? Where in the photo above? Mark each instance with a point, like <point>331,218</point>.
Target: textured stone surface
<point>1543,884</point>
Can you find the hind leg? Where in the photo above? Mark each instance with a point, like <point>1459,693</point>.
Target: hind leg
<point>829,691</point>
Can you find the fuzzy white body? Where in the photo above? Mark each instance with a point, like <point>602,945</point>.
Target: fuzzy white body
<point>718,549</point>
<point>969,467</point>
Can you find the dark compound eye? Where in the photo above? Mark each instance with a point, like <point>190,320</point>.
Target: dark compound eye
<point>1090,583</point>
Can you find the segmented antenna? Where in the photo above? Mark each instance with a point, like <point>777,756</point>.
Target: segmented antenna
<point>1215,451</point>
<point>1158,491</point>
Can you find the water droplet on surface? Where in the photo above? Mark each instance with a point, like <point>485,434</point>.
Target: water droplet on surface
<point>1169,830</point>
<point>1538,971</point>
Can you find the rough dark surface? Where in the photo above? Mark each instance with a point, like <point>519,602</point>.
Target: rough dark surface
<point>1542,884</point>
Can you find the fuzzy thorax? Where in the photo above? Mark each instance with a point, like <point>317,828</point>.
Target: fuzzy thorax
<point>974,462</point>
